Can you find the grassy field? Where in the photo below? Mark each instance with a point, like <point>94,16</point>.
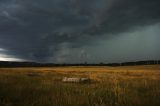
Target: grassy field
<point>109,86</point>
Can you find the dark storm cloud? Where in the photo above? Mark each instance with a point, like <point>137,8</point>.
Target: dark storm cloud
<point>43,30</point>
<point>124,15</point>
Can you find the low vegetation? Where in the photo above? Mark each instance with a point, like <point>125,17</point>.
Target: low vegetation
<point>109,86</point>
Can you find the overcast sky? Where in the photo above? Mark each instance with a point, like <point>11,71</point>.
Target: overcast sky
<point>75,31</point>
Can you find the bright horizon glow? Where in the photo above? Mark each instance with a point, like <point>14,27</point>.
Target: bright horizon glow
<point>4,57</point>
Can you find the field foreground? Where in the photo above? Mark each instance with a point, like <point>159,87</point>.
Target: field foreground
<point>109,86</point>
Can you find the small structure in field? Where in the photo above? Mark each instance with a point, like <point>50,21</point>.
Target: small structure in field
<point>76,80</point>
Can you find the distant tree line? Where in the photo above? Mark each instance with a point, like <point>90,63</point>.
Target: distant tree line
<point>149,62</point>
<point>34,64</point>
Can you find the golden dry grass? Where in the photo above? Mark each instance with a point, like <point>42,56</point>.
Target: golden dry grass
<point>110,86</point>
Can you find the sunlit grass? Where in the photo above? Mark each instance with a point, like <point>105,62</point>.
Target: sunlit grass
<point>109,86</point>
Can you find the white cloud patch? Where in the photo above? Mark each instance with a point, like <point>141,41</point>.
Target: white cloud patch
<point>2,50</point>
<point>4,57</point>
